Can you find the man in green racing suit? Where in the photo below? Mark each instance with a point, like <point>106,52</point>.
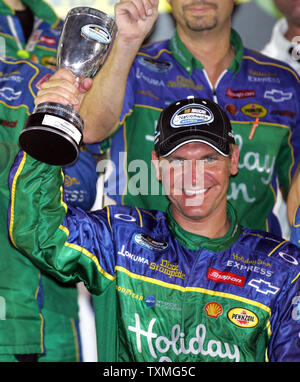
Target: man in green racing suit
<point>191,284</point>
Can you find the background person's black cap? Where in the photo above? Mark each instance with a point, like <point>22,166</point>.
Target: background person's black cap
<point>193,120</point>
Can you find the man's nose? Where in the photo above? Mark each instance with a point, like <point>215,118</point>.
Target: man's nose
<point>194,173</point>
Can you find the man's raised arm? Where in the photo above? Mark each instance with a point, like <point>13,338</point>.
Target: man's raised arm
<point>61,240</point>
<point>100,105</point>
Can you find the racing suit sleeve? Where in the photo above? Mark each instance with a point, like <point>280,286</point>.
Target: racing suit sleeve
<point>66,242</point>
<point>284,345</point>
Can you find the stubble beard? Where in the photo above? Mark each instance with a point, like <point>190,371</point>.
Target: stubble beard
<point>201,25</point>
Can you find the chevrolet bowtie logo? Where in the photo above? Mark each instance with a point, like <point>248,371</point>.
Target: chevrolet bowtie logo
<point>263,286</point>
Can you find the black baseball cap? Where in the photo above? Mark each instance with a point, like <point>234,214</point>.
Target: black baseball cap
<point>193,120</point>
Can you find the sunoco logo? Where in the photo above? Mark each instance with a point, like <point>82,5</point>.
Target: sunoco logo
<point>244,318</point>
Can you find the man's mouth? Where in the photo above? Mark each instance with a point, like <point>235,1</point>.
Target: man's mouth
<point>193,192</point>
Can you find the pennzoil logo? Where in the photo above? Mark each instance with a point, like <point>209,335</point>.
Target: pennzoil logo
<point>213,309</point>
<point>244,318</point>
<point>254,110</point>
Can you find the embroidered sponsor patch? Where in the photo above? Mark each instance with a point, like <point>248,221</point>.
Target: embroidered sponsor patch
<point>148,242</point>
<point>213,309</point>
<point>244,318</point>
<point>191,115</point>
<point>278,95</point>
<point>6,123</point>
<point>9,93</point>
<point>254,110</point>
<point>225,277</point>
<point>156,66</point>
<point>43,79</point>
<point>150,301</point>
<point>48,40</point>
<point>239,94</point>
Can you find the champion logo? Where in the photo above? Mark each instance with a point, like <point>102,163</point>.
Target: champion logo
<point>225,277</point>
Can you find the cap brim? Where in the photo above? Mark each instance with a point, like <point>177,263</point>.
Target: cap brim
<point>170,145</point>
<point>194,140</point>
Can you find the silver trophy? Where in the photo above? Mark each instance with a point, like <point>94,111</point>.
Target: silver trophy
<point>53,132</point>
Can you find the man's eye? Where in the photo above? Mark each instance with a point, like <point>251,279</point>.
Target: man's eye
<point>211,159</point>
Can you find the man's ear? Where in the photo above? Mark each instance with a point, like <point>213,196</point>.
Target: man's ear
<point>235,160</point>
<point>155,162</point>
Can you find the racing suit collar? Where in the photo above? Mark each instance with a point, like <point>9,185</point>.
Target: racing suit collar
<point>195,242</point>
<point>189,62</point>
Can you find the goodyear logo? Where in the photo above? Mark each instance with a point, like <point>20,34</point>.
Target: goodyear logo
<point>244,318</point>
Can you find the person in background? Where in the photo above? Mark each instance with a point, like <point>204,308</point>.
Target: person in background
<point>35,327</point>
<point>31,30</point>
<point>186,287</point>
<point>282,44</point>
<point>40,315</point>
<point>205,57</point>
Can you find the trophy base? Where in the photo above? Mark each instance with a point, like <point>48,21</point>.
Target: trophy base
<point>53,134</point>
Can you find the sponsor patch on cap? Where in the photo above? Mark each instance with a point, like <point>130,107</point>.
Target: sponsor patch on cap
<point>96,32</point>
<point>192,115</point>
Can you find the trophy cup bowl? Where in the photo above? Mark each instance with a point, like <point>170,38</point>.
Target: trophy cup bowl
<point>53,132</point>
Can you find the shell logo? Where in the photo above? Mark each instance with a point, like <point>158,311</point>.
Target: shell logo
<point>213,309</point>
<point>244,318</point>
<point>68,181</point>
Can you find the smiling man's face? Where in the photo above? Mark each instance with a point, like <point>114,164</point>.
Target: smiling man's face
<point>196,179</point>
